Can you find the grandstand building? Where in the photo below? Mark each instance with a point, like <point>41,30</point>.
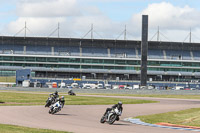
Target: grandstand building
<point>98,58</point>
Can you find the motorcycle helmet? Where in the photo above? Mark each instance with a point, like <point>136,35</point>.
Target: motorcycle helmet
<point>120,103</point>
<point>62,97</point>
<point>56,92</point>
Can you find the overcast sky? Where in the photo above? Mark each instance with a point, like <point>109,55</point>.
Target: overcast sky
<point>109,17</point>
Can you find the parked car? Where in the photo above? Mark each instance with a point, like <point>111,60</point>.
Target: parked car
<point>108,86</point>
<point>121,86</point>
<point>186,88</point>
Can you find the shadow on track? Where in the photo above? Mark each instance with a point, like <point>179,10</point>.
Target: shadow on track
<point>65,114</point>
<point>121,124</point>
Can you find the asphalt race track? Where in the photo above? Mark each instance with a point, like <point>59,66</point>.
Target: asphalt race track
<point>85,118</point>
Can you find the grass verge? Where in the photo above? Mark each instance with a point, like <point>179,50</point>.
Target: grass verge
<point>17,98</point>
<point>19,129</point>
<point>148,95</point>
<point>189,117</point>
<point>8,79</point>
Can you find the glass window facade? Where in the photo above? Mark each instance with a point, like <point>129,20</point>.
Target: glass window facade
<point>101,63</point>
<point>7,73</point>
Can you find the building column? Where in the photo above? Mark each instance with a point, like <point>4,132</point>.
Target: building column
<point>144,51</point>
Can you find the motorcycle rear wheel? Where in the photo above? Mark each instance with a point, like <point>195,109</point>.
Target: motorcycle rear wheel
<point>112,119</point>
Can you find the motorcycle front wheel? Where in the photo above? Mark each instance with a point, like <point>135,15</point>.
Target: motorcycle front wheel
<point>53,112</point>
<point>47,104</point>
<point>50,111</point>
<point>103,119</point>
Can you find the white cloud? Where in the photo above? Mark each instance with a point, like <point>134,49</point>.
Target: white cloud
<point>48,8</point>
<point>172,20</point>
<point>37,26</point>
<point>42,17</point>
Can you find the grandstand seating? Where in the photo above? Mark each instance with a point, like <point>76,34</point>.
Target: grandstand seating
<point>196,55</point>
<point>39,49</point>
<point>11,49</point>
<point>43,49</point>
<point>123,52</point>
<point>90,51</point>
<point>155,54</point>
<point>178,55</point>
<point>186,55</point>
<point>18,49</point>
<point>66,50</point>
<point>139,53</point>
<point>99,52</point>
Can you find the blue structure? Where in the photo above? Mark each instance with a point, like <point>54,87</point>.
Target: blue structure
<point>22,74</point>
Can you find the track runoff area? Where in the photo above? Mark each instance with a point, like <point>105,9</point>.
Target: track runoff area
<point>86,118</point>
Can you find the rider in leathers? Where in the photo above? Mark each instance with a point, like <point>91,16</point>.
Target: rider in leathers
<point>55,94</point>
<point>62,101</point>
<point>118,106</point>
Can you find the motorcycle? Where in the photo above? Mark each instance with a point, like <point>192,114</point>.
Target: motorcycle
<point>56,107</point>
<point>111,116</point>
<point>51,100</point>
<point>70,92</point>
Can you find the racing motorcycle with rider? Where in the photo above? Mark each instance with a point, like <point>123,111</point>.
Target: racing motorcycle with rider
<point>112,114</point>
<point>51,99</point>
<point>57,106</point>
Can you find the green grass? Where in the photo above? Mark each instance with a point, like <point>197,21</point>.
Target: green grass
<point>19,129</point>
<point>20,98</point>
<point>151,95</point>
<point>189,117</point>
<point>8,79</point>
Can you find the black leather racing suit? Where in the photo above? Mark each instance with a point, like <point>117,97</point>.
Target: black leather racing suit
<point>119,107</point>
<point>55,95</point>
